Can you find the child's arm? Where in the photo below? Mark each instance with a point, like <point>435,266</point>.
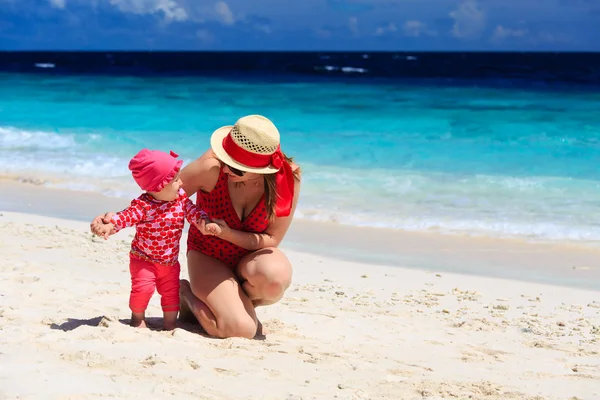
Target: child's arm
<point>123,219</point>
<point>193,214</point>
<point>129,216</point>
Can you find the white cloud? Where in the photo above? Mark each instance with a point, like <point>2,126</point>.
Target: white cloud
<point>383,30</point>
<point>417,28</point>
<point>501,33</point>
<point>551,38</point>
<point>224,13</point>
<point>469,20</point>
<point>171,9</point>
<point>353,25</point>
<point>204,35</point>
<point>58,3</point>
<point>264,28</point>
<point>528,37</point>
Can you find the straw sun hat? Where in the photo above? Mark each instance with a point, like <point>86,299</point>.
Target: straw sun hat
<point>251,145</point>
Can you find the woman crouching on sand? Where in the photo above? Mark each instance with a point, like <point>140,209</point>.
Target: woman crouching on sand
<point>250,189</point>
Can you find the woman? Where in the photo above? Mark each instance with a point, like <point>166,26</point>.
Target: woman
<point>250,189</point>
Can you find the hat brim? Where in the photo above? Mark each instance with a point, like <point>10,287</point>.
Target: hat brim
<point>216,143</point>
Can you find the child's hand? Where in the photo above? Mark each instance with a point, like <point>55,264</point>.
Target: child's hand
<point>213,229</point>
<point>101,229</point>
<point>216,227</point>
<point>98,224</point>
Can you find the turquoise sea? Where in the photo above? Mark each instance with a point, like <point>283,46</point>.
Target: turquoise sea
<point>467,159</point>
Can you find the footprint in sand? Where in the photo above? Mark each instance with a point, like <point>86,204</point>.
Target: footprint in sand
<point>591,371</point>
<point>462,390</point>
<point>226,371</point>
<point>400,373</point>
<point>24,279</point>
<point>480,353</point>
<point>478,324</point>
<point>193,364</point>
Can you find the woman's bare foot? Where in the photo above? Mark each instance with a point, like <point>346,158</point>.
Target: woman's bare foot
<point>261,331</point>
<point>138,320</point>
<point>185,314</point>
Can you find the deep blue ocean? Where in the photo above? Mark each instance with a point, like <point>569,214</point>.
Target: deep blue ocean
<point>510,150</point>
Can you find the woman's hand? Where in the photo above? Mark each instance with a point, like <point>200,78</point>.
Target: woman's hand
<point>101,220</point>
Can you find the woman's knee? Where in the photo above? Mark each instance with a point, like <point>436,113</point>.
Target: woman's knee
<point>274,288</point>
<point>268,271</point>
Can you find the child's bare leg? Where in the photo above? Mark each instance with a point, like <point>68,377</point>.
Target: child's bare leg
<point>170,320</point>
<point>138,319</point>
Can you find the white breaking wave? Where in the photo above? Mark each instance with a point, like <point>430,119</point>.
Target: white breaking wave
<point>18,139</point>
<point>29,152</point>
<point>534,208</point>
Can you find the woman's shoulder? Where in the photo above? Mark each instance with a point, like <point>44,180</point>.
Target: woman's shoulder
<point>201,174</point>
<point>209,161</point>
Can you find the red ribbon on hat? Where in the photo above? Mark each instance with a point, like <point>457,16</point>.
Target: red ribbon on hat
<point>284,177</point>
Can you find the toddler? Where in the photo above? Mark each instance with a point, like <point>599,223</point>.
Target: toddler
<point>158,216</point>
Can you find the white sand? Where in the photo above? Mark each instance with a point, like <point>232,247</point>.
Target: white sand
<point>343,331</point>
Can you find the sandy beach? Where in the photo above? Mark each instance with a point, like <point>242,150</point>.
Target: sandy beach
<point>344,330</point>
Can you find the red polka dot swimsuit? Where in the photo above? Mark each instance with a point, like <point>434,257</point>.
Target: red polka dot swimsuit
<point>158,226</point>
<point>217,204</point>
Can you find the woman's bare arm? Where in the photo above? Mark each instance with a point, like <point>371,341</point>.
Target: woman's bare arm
<point>272,236</point>
<point>201,174</point>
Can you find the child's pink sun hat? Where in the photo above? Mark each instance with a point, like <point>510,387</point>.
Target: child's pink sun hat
<point>153,169</point>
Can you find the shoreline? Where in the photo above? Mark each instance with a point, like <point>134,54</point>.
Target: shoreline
<point>118,190</point>
<point>563,264</point>
<point>346,330</point>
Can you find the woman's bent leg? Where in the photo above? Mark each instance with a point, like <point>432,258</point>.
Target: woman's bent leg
<point>266,274</point>
<point>216,299</point>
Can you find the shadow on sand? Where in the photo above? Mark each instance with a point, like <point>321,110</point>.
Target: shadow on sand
<point>153,323</point>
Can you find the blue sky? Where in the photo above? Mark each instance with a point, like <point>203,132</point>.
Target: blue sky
<point>300,25</point>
